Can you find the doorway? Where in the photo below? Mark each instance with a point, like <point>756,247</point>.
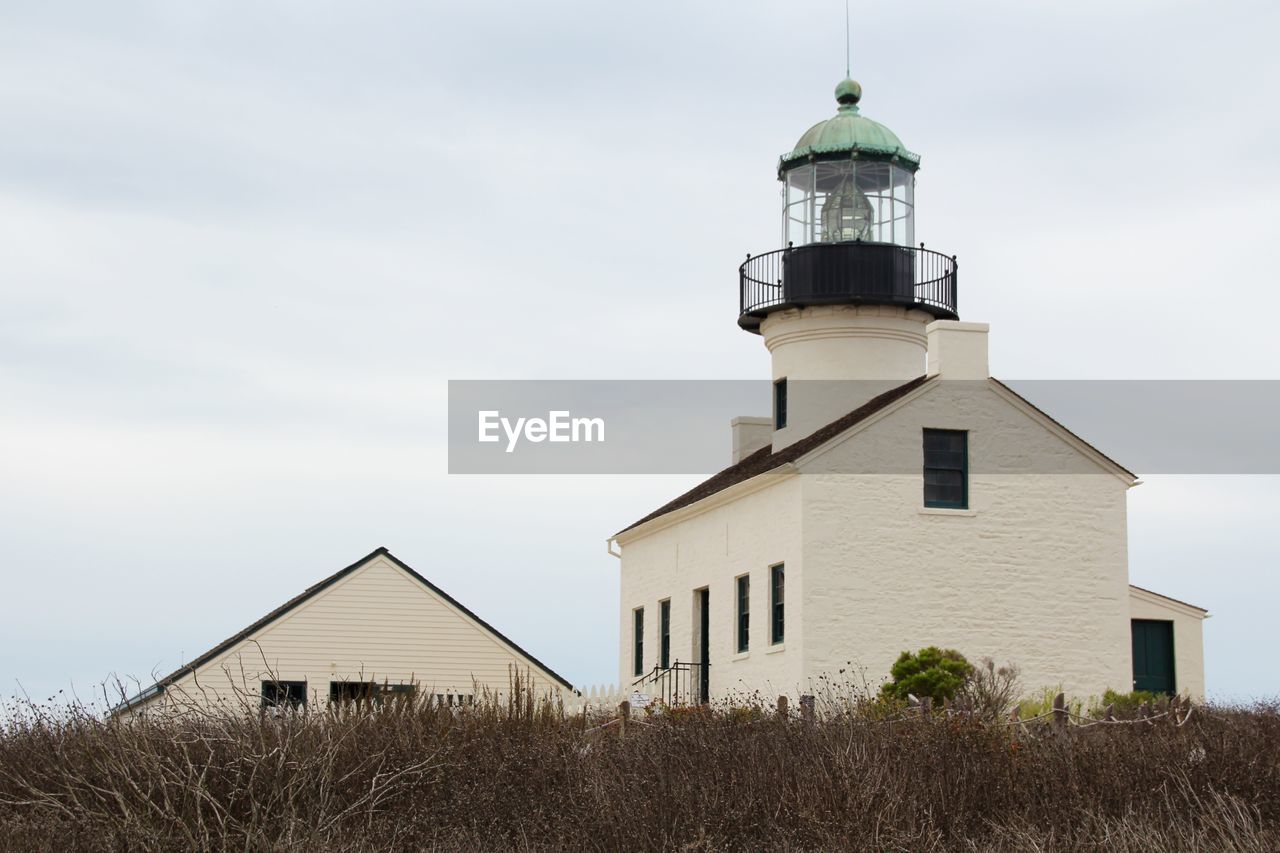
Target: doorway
<point>1153,656</point>
<point>702,652</point>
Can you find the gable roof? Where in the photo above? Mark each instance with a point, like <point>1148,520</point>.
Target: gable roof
<point>1060,425</point>
<point>1134,586</point>
<point>310,593</point>
<point>765,459</point>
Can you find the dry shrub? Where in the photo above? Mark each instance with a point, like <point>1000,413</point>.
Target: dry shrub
<point>517,773</point>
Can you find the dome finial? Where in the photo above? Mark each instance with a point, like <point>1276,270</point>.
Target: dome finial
<point>848,93</point>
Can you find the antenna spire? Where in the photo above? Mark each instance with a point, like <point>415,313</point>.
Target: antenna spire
<point>846,38</point>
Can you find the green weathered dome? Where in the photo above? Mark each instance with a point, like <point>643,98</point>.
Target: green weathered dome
<point>848,134</point>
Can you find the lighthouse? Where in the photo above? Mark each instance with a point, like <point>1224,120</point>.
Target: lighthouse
<point>899,496</point>
<point>845,305</point>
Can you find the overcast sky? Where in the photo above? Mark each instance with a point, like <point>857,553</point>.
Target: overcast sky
<point>243,247</point>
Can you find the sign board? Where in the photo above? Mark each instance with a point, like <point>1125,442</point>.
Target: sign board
<point>640,701</point>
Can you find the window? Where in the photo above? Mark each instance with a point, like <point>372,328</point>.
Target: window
<point>355,692</point>
<point>780,403</point>
<point>946,468</point>
<point>777,585</point>
<point>284,694</point>
<point>638,652</point>
<point>664,631</point>
<point>744,613</point>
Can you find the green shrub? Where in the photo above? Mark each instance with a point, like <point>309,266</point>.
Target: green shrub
<point>1124,704</point>
<point>1038,706</point>
<point>932,672</point>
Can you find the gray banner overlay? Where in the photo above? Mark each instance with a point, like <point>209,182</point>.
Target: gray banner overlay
<point>682,426</point>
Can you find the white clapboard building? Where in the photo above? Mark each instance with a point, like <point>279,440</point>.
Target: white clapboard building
<point>368,633</point>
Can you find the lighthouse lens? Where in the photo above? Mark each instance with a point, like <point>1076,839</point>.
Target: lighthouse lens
<point>847,215</point>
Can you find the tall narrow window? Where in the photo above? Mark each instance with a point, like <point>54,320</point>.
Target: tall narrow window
<point>638,651</point>
<point>946,468</point>
<point>780,403</point>
<point>664,632</point>
<point>777,586</point>
<point>744,613</point>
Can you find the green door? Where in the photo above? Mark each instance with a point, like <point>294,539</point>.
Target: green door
<point>1153,656</point>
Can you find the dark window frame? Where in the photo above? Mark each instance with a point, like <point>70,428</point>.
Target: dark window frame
<point>664,632</point>
<point>278,693</point>
<point>939,451</point>
<point>637,641</point>
<point>777,603</point>
<point>355,692</point>
<point>742,628</point>
<point>780,403</point>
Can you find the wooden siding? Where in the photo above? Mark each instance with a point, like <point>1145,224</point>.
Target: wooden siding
<point>376,624</point>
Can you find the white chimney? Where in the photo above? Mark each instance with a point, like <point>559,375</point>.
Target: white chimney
<point>749,435</point>
<point>957,350</point>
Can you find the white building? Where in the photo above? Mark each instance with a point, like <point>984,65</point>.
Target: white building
<point>371,631</point>
<point>899,496</point>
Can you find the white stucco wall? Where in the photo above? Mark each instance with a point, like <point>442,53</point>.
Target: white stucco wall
<point>836,357</point>
<point>1188,636</point>
<point>710,547</point>
<point>1034,572</point>
<point>376,624</point>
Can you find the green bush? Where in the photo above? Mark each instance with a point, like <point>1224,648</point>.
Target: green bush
<point>932,672</point>
<point>1037,706</point>
<point>1125,704</point>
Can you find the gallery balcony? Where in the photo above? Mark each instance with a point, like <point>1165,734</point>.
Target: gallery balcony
<point>847,273</point>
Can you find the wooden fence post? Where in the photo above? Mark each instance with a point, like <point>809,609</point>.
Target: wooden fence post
<point>1110,716</point>
<point>926,705</point>
<point>782,708</point>
<point>624,714</point>
<point>1145,711</point>
<point>1060,712</point>
<point>806,709</point>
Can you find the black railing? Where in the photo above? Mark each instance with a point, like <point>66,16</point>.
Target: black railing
<point>678,684</point>
<point>847,273</point>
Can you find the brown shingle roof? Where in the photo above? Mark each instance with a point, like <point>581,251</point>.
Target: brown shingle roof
<point>765,460</point>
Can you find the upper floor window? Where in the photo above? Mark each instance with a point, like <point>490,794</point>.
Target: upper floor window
<point>946,468</point>
<point>780,403</point>
<point>777,586</point>
<point>744,613</point>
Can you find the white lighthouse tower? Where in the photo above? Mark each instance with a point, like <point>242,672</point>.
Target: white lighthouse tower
<point>843,308</point>
<point>885,507</point>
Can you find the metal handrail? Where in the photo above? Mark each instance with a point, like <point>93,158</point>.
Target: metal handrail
<point>885,274</point>
<point>679,683</point>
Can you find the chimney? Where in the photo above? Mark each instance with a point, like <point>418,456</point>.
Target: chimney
<point>749,435</point>
<point>957,350</point>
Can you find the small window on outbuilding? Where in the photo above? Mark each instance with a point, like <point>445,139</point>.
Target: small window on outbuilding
<point>355,693</point>
<point>780,403</point>
<point>284,694</point>
<point>946,468</point>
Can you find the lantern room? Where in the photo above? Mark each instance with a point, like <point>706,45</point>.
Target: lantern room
<point>849,179</point>
<point>848,225</point>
